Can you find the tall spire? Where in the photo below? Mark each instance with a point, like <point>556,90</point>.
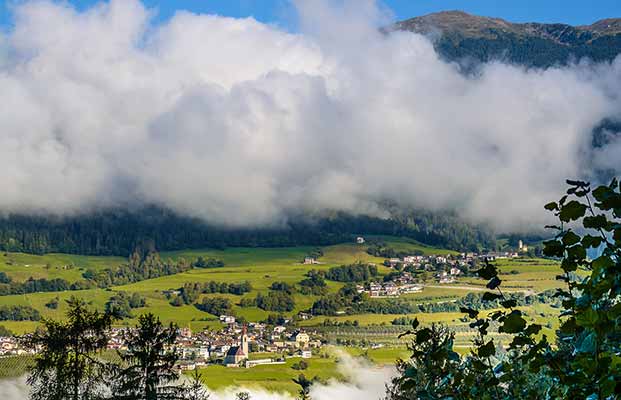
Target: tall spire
<point>244,340</point>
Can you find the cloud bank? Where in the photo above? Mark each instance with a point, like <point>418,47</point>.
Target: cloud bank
<point>240,123</point>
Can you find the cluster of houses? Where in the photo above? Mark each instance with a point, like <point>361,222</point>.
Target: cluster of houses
<point>403,284</point>
<point>445,270</point>
<point>11,346</point>
<point>230,346</point>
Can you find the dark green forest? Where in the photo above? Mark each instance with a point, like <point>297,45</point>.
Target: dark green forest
<point>119,232</point>
<point>530,51</point>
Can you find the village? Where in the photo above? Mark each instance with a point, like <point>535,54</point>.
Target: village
<point>231,346</point>
<point>413,272</point>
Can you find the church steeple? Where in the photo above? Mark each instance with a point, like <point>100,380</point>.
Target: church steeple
<point>244,340</point>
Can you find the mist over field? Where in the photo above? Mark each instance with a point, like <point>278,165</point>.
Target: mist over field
<point>241,123</point>
<point>365,383</point>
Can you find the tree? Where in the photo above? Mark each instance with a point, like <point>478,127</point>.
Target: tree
<point>583,364</point>
<point>242,396</point>
<point>300,366</point>
<point>67,367</point>
<point>147,368</point>
<point>196,390</point>
<point>52,304</point>
<point>305,386</point>
<point>430,373</point>
<point>215,305</point>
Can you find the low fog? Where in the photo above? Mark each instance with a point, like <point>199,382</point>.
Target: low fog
<point>365,383</point>
<point>240,123</point>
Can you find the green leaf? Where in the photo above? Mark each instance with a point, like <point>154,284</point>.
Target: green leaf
<point>509,303</point>
<point>471,313</point>
<point>513,323</point>
<point>532,329</point>
<point>617,235</point>
<point>493,283</point>
<point>487,350</point>
<point>487,272</point>
<point>609,201</point>
<point>553,248</point>
<point>596,222</point>
<point>551,206</point>
<point>602,262</point>
<point>602,192</point>
<point>570,238</point>
<point>569,265</point>
<point>593,242</point>
<point>572,211</point>
<point>588,344</point>
<point>423,335</point>
<point>587,318</point>
<point>615,311</point>
<point>580,184</point>
<point>487,296</point>
<point>577,253</point>
<point>415,323</point>
<point>520,341</point>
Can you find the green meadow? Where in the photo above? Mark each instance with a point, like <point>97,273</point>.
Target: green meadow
<point>274,378</point>
<point>260,266</point>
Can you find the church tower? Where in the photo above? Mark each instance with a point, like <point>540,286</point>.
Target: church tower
<point>244,341</point>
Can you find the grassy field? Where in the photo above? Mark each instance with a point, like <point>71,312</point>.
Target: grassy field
<point>20,266</point>
<point>275,378</point>
<point>260,266</point>
<point>409,245</point>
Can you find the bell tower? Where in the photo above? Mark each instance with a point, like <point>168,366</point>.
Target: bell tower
<point>244,341</point>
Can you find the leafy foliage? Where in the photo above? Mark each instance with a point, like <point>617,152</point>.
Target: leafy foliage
<point>352,273</point>
<point>142,265</point>
<point>121,304</point>
<point>190,292</point>
<point>583,364</point>
<point>19,313</point>
<point>215,305</point>
<point>314,283</point>
<point>275,301</point>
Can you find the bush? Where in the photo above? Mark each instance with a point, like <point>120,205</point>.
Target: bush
<point>275,301</point>
<point>215,305</point>
<point>300,366</point>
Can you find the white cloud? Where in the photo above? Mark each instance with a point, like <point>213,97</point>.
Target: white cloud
<point>239,123</point>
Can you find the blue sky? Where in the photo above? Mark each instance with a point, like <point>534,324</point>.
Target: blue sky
<point>575,12</point>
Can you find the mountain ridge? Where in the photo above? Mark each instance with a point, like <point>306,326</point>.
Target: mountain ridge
<point>458,35</point>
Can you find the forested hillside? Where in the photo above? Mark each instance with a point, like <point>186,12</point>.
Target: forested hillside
<point>119,232</point>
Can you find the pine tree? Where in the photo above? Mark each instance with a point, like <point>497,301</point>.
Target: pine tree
<point>66,366</point>
<point>147,369</point>
<point>196,390</point>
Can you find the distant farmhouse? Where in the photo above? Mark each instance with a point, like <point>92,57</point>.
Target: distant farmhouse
<point>310,260</point>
